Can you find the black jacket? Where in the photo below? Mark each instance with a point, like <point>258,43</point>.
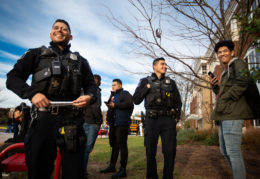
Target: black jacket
<point>26,65</point>
<point>120,115</point>
<point>92,113</point>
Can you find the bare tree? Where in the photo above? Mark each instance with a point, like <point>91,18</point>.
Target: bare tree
<point>185,89</point>
<point>162,28</point>
<point>199,24</point>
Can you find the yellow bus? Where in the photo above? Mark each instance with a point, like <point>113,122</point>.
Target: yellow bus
<point>134,126</point>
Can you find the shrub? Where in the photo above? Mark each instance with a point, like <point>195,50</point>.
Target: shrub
<point>185,136</point>
<point>212,138</point>
<point>190,136</point>
<point>200,135</point>
<point>186,125</point>
<point>3,120</point>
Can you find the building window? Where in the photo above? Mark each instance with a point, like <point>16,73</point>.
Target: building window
<point>257,59</point>
<point>251,60</point>
<point>204,69</point>
<point>254,5</point>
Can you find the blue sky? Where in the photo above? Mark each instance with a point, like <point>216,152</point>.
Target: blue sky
<point>27,24</point>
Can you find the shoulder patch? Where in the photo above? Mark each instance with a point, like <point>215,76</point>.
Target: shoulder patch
<point>167,80</point>
<point>73,56</point>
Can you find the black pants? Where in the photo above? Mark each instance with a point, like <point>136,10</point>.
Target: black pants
<point>41,150</point>
<point>165,127</point>
<point>118,141</point>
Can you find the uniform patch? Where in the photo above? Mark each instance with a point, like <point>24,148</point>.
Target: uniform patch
<point>167,81</point>
<point>73,56</point>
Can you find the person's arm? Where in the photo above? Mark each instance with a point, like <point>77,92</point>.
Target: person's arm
<point>177,101</point>
<point>17,77</point>
<point>125,102</point>
<point>141,91</point>
<point>89,86</point>
<point>96,107</point>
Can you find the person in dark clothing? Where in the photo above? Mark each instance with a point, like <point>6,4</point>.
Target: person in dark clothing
<point>9,125</point>
<point>93,120</point>
<point>57,75</point>
<point>23,118</point>
<point>163,107</point>
<point>120,106</point>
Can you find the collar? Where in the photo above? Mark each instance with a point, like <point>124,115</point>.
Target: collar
<point>58,50</point>
<point>227,69</point>
<point>156,77</point>
<point>119,90</point>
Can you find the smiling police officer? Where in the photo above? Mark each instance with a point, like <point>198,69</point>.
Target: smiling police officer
<point>163,107</point>
<point>57,75</point>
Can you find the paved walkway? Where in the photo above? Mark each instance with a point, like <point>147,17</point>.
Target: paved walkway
<point>4,136</point>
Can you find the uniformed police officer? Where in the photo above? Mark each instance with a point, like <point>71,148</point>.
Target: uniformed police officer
<point>57,75</point>
<point>163,106</point>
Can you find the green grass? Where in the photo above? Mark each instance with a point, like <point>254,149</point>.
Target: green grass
<point>136,155</point>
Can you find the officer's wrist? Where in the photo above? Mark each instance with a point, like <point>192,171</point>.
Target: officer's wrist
<point>92,98</point>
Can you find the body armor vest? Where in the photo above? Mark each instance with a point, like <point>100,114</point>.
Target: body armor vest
<point>160,95</point>
<point>58,77</point>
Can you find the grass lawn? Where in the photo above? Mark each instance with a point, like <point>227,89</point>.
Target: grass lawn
<point>136,156</point>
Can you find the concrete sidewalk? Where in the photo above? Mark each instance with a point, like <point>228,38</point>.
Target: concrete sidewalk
<point>4,136</point>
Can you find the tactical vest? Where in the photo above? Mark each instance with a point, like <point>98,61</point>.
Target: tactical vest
<point>58,77</point>
<point>160,95</point>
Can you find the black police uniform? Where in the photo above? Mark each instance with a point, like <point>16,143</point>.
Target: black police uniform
<point>63,76</point>
<point>163,106</point>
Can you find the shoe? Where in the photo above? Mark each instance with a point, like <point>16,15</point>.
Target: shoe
<point>120,174</point>
<point>109,169</point>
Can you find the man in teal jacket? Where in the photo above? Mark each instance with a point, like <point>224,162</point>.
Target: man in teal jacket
<point>231,107</point>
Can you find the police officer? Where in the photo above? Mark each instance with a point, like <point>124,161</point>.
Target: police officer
<point>57,75</point>
<point>163,106</point>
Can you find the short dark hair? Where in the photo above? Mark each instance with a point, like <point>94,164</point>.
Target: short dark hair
<point>62,21</point>
<point>118,81</point>
<point>18,108</point>
<point>224,43</point>
<point>21,107</point>
<point>157,60</point>
<point>97,77</point>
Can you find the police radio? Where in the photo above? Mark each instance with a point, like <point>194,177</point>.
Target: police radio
<point>56,67</point>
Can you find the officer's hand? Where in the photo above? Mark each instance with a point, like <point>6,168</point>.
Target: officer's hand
<point>82,101</point>
<point>40,100</point>
<point>111,105</point>
<point>148,85</point>
<point>214,81</point>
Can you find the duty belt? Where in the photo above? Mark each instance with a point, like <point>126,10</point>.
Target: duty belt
<point>55,110</point>
<point>154,114</point>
